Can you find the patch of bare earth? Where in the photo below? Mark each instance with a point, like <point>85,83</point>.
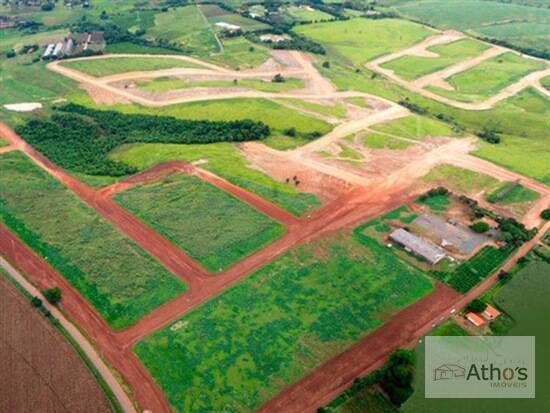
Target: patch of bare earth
<point>102,96</point>
<point>39,370</point>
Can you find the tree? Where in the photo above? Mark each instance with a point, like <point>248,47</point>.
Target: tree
<point>290,132</point>
<point>47,6</point>
<point>545,214</point>
<point>489,135</point>
<point>476,306</point>
<point>278,78</point>
<point>326,64</point>
<point>53,295</point>
<point>10,54</point>
<point>480,227</point>
<point>36,302</point>
<point>104,15</point>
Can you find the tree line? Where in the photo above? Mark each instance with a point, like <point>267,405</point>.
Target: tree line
<point>79,139</point>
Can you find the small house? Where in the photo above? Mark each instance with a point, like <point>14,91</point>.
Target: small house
<point>490,312</point>
<point>475,319</point>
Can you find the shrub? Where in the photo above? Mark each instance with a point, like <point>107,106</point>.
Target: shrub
<point>278,78</point>
<point>36,302</point>
<point>290,132</point>
<point>10,54</point>
<point>545,214</point>
<point>47,6</point>
<point>476,306</point>
<point>480,227</point>
<point>489,135</point>
<point>326,64</point>
<point>53,295</point>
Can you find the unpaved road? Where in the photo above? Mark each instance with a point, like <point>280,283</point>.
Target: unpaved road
<point>82,342</point>
<point>418,85</point>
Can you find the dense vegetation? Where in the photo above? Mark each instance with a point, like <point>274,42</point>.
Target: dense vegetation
<point>79,139</point>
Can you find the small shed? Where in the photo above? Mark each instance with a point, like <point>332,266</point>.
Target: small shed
<point>490,312</point>
<point>475,319</point>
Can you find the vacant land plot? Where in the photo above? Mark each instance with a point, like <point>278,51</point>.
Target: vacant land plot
<point>239,52</point>
<point>367,401</point>
<point>460,179</point>
<point>489,77</point>
<point>515,196</point>
<point>215,14</point>
<point>120,280</point>
<point>215,228</point>
<point>114,65</point>
<point>412,67</point>
<point>307,14</point>
<point>196,34</point>
<point>226,161</point>
<point>164,84</point>
<point>337,110</point>
<point>360,40</point>
<point>375,140</point>
<point>279,323</point>
<point>29,347</point>
<point>416,127</point>
<point>524,299</point>
<point>517,24</point>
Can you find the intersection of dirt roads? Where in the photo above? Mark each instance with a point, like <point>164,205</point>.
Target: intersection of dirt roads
<point>357,199</point>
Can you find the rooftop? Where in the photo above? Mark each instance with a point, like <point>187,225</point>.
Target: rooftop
<point>475,319</point>
<point>419,246</point>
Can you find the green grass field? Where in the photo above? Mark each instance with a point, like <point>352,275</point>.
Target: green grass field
<point>379,141</point>
<point>514,196</point>
<point>412,67</point>
<point>164,84</point>
<point>303,14</point>
<point>338,110</point>
<point>459,179</point>
<point>416,127</point>
<point>215,14</point>
<point>213,227</point>
<point>115,275</point>
<point>525,300</point>
<point>489,77</point>
<point>196,34</point>
<point>239,52</point>
<point>242,347</point>
<point>226,161</point>
<point>115,65</point>
<point>360,40</point>
<point>517,24</point>
<point>277,117</point>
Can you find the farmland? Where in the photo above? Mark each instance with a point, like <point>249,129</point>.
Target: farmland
<point>412,67</point>
<point>213,227</point>
<point>359,40</point>
<point>489,77</point>
<point>524,298</point>
<point>118,278</point>
<point>30,346</point>
<point>279,323</point>
<point>115,65</point>
<point>226,161</point>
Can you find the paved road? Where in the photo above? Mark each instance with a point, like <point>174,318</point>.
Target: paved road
<point>86,347</point>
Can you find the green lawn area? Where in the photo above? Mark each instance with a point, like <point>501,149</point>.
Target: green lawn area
<point>239,52</point>
<point>379,141</point>
<point>212,226</point>
<point>412,67</point>
<point>115,65</point>
<point>489,77</point>
<point>241,348</point>
<point>525,300</point>
<point>416,127</point>
<point>360,40</point>
<point>460,179</point>
<point>226,161</point>
<point>115,275</point>
<point>305,15</point>
<point>215,14</point>
<point>277,117</point>
<point>166,83</point>
<point>196,34</point>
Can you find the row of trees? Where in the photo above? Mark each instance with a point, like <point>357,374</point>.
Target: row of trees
<point>79,139</point>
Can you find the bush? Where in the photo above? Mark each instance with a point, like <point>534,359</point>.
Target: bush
<point>480,227</point>
<point>545,214</point>
<point>326,64</point>
<point>278,78</point>
<point>53,295</point>
<point>36,302</point>
<point>290,132</point>
<point>476,306</point>
<point>47,7</point>
<point>489,135</point>
<point>10,54</point>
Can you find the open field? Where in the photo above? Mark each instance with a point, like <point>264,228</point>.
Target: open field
<point>196,34</point>
<point>120,280</point>
<point>488,78</point>
<point>520,25</point>
<point>29,347</point>
<point>416,127</point>
<point>215,228</point>
<point>515,196</point>
<point>524,299</point>
<point>239,52</point>
<point>338,110</point>
<point>279,323</point>
<point>305,14</point>
<point>115,65</point>
<point>412,67</point>
<point>375,140</point>
<point>226,161</point>
<point>460,179</point>
<point>164,84</point>
<point>215,14</point>
<point>360,40</point>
